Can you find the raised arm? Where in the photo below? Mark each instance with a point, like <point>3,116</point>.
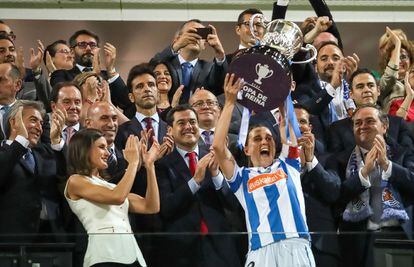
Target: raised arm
<point>79,187</point>
<point>151,203</point>
<point>224,157</point>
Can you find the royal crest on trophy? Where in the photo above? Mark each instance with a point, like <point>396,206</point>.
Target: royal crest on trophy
<point>265,68</point>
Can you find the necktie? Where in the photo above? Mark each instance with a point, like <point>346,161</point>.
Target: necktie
<point>29,161</point>
<point>148,126</point>
<point>375,192</point>
<point>192,164</point>
<point>207,138</point>
<point>112,161</point>
<point>187,69</point>
<point>69,133</point>
<point>4,112</point>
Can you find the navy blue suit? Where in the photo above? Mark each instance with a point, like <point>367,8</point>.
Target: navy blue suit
<point>182,211</point>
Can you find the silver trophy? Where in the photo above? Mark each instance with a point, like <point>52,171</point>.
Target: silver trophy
<point>282,35</point>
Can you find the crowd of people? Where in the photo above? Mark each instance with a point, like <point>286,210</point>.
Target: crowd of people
<point>89,158</point>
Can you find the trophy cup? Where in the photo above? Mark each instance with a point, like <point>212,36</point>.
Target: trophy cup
<point>265,68</point>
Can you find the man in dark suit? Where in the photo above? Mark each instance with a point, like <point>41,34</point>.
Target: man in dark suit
<point>321,189</point>
<point>324,94</point>
<point>143,94</point>
<point>193,197</point>
<point>84,45</point>
<point>377,181</point>
<point>28,176</point>
<point>103,116</point>
<point>364,90</point>
<point>188,69</point>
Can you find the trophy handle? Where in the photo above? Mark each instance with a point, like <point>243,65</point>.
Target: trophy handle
<point>269,74</point>
<point>251,24</point>
<point>308,47</point>
<point>257,67</point>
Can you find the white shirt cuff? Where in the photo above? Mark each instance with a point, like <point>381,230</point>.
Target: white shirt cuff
<point>22,140</point>
<point>312,164</point>
<point>111,80</point>
<point>282,2</point>
<point>218,181</point>
<point>194,187</point>
<point>58,147</point>
<point>387,173</point>
<point>220,62</point>
<point>365,182</point>
<point>331,91</point>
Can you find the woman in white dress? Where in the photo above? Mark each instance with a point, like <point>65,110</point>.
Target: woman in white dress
<point>103,207</point>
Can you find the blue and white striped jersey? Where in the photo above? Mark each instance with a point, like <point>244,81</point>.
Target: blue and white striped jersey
<point>272,199</point>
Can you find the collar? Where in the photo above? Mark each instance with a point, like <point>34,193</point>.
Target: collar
<point>242,47</point>
<point>140,117</point>
<point>10,105</point>
<point>111,147</point>
<point>183,152</point>
<point>182,60</point>
<point>76,127</point>
<point>211,130</point>
<point>80,67</point>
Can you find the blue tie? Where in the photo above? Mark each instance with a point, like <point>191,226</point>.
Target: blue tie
<point>5,111</point>
<point>187,69</point>
<point>333,117</point>
<point>29,161</point>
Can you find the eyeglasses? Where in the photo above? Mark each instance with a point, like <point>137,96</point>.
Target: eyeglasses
<point>84,45</point>
<point>10,35</point>
<point>63,51</point>
<point>256,24</point>
<point>404,57</point>
<point>209,103</point>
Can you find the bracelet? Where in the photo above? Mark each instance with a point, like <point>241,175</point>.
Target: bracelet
<point>395,68</point>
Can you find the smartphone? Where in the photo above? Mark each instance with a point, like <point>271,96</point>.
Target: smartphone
<point>204,32</point>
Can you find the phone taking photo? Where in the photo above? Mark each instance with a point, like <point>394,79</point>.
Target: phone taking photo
<point>204,32</point>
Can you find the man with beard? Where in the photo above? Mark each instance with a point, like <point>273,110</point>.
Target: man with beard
<point>142,86</point>
<point>326,95</point>
<point>364,90</point>
<point>35,85</point>
<point>188,69</point>
<point>85,47</point>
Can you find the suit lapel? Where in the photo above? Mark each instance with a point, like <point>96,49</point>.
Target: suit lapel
<point>177,67</point>
<point>179,165</point>
<point>162,131</point>
<point>136,127</point>
<point>195,74</point>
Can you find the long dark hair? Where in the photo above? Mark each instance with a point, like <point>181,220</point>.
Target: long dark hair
<point>78,152</point>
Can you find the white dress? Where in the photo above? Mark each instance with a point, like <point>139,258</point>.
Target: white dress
<point>110,235</point>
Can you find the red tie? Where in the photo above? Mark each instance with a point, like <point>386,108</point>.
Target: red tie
<point>192,164</point>
<point>148,126</point>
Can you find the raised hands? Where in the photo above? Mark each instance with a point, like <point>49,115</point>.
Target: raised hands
<point>110,57</point>
<point>96,63</point>
<point>232,88</point>
<point>307,142</point>
<point>378,153</point>
<point>214,41</point>
<point>20,62</point>
<point>17,126</point>
<point>176,97</point>
<point>167,146</point>
<point>351,65</point>
<point>202,165</point>
<point>36,59</point>
<point>59,116</point>
<point>132,150</point>
<point>409,92</point>
<point>185,38</point>
<point>151,155</point>
<point>213,165</point>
